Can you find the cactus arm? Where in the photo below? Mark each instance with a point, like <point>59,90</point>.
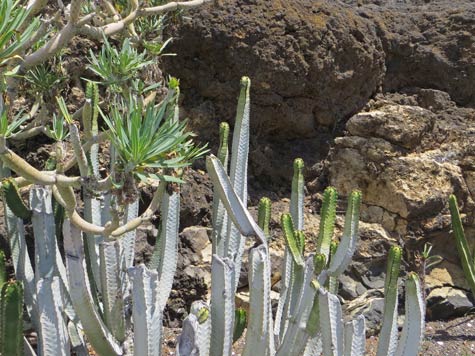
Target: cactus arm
<point>220,218</point>
<point>201,310</point>
<point>297,196</point>
<point>44,232</point>
<point>291,239</point>
<point>413,329</point>
<point>388,336</point>
<point>168,245</point>
<point>259,331</point>
<point>187,345</point>
<point>222,306</point>
<point>355,337</point>
<point>347,246</point>
<point>92,214</point>
<point>3,271</point>
<point>330,323</point>
<point>21,261</point>
<point>146,311</point>
<point>78,345</point>
<point>280,316</point>
<point>240,323</point>
<point>97,333</point>
<point>332,282</point>
<point>235,208</point>
<point>234,243</point>
<point>13,199</point>
<point>128,239</point>
<point>53,333</point>
<point>263,216</point>
<point>297,335</point>
<point>327,221</point>
<point>78,150</point>
<point>11,319</point>
<point>111,282</point>
<point>466,258</point>
<point>47,254</point>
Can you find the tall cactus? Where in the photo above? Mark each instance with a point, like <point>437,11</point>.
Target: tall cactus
<point>309,318</point>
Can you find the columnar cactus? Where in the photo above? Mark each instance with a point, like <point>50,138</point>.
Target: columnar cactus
<point>309,318</point>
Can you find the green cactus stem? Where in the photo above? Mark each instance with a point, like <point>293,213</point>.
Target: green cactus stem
<point>388,337</point>
<point>3,270</point>
<point>468,262</point>
<point>291,239</point>
<point>332,282</point>
<point>11,319</point>
<point>327,221</point>
<point>297,195</point>
<point>263,215</point>
<point>240,323</point>
<point>223,151</point>
<point>13,199</point>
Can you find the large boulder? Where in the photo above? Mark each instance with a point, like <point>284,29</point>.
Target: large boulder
<point>312,63</point>
<point>428,44</point>
<point>407,160</point>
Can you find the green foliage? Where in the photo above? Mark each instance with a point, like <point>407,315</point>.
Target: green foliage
<point>12,18</point>
<point>9,128</point>
<point>58,131</point>
<point>148,140</point>
<point>118,67</point>
<point>43,78</point>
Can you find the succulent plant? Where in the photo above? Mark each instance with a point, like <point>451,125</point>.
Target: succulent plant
<point>309,318</point>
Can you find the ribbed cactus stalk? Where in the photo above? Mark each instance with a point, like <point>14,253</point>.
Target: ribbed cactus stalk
<point>327,221</point>
<point>263,215</point>
<point>13,199</point>
<point>240,323</point>
<point>11,319</point>
<point>220,218</point>
<point>388,337</point>
<point>309,318</point>
<point>466,257</point>
<point>3,270</point>
<point>414,323</point>
<point>234,244</point>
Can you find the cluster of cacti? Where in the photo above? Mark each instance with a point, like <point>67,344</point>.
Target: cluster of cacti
<point>466,256</point>
<point>124,136</point>
<point>309,318</point>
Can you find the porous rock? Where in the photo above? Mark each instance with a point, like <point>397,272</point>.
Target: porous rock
<point>312,63</point>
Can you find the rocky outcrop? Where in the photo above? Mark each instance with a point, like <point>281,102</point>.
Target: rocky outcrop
<point>312,63</point>
<point>407,160</point>
<point>386,87</point>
